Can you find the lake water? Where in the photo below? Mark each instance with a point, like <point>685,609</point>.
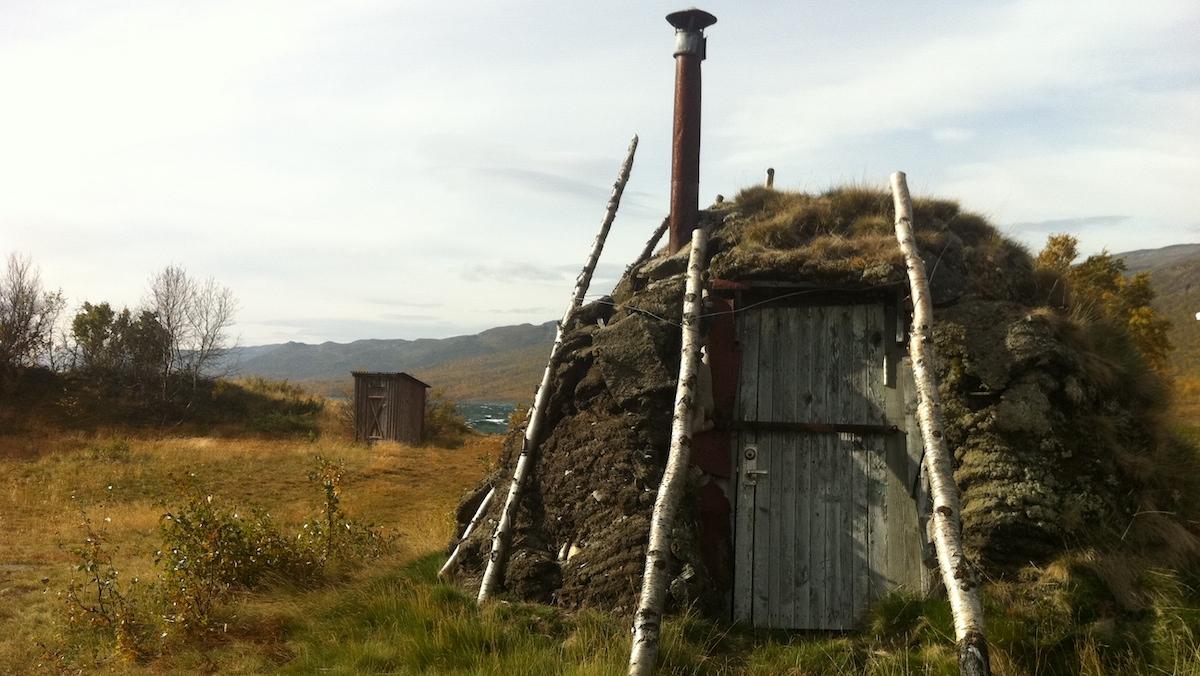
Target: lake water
<point>487,417</point>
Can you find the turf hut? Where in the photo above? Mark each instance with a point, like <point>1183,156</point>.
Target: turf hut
<point>806,491</point>
<point>805,499</point>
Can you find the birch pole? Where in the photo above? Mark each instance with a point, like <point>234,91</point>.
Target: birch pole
<point>647,622</point>
<point>648,250</point>
<point>502,537</point>
<point>483,505</point>
<point>961,587</point>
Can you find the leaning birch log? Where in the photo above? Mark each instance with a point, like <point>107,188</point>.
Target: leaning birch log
<point>647,622</point>
<point>648,250</point>
<point>961,586</point>
<point>502,536</point>
<point>487,500</point>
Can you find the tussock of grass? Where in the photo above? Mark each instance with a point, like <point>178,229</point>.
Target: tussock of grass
<point>846,236</point>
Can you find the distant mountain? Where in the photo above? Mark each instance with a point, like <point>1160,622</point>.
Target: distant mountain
<point>1175,273</point>
<point>500,364</point>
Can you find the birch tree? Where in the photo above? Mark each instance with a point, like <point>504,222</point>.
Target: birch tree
<point>195,317</point>
<point>28,314</point>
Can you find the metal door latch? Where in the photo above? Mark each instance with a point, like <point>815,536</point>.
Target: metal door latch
<point>750,466</point>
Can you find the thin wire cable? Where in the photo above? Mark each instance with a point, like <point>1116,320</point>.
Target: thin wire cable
<point>634,308</point>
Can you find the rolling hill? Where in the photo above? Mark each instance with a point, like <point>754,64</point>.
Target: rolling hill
<point>499,364</point>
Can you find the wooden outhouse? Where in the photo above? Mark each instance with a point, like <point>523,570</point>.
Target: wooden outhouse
<point>388,406</point>
<point>815,452</point>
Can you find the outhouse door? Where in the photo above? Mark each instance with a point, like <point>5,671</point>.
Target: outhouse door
<point>823,519</point>
<point>378,409</point>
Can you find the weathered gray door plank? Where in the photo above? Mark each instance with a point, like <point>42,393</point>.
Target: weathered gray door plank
<point>806,353</point>
<point>747,336</point>
<point>768,350</point>
<point>818,559</point>
<point>785,376</point>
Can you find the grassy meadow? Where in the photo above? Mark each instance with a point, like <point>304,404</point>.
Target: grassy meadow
<point>123,485</point>
<point>387,613</point>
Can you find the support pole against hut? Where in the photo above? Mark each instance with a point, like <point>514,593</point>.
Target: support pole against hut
<point>648,250</point>
<point>502,536</point>
<point>961,586</point>
<point>647,622</point>
<point>483,505</point>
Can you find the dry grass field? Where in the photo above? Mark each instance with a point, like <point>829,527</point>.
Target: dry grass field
<point>123,485</point>
<point>390,615</point>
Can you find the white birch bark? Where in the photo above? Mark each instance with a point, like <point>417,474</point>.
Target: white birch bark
<point>961,586</point>
<point>502,537</point>
<point>648,250</point>
<point>487,500</point>
<point>647,622</point>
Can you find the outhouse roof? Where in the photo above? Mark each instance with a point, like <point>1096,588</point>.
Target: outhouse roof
<point>386,374</point>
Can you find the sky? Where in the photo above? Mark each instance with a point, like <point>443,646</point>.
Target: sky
<point>369,169</point>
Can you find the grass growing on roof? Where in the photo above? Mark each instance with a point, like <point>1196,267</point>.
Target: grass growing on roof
<point>845,236</point>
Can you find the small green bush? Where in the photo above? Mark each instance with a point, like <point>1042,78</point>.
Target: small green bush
<point>209,549</point>
<point>331,533</point>
<point>444,425</point>
<point>100,602</point>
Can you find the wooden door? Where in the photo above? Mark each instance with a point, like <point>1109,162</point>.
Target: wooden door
<point>823,521</point>
<point>378,410</point>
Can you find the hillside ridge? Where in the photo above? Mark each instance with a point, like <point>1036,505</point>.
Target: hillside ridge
<point>497,364</point>
<point>1175,273</point>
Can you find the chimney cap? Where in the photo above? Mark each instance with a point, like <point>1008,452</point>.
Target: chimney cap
<point>691,19</point>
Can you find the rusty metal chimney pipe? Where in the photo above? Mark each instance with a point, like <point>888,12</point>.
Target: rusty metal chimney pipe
<point>690,46</point>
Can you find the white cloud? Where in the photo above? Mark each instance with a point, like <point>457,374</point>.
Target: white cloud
<point>322,158</point>
<point>1000,56</point>
<point>952,134</point>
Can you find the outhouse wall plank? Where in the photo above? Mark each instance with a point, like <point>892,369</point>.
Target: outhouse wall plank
<point>358,409</point>
<point>391,408</point>
<point>411,411</point>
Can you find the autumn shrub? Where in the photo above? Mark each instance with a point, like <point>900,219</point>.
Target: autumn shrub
<point>1099,293</point>
<point>444,425</point>
<point>209,550</point>
<point>331,533</point>
<point>100,601</point>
